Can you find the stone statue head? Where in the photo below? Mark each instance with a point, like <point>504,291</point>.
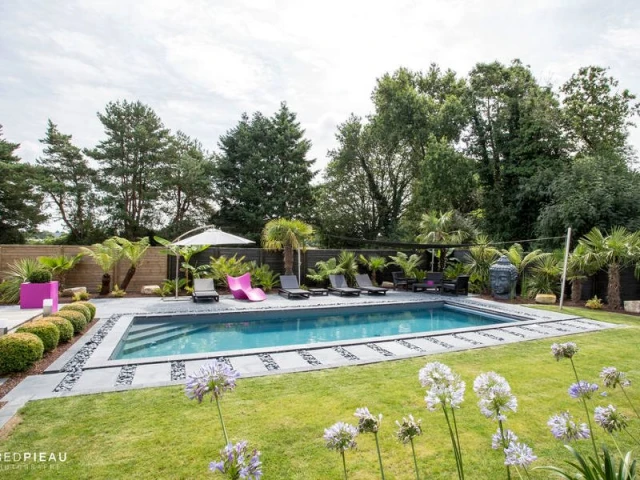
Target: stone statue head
<point>503,277</point>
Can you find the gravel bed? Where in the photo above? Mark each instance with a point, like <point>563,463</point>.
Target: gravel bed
<point>465,339</point>
<point>380,350</point>
<point>437,342</point>
<point>269,362</point>
<point>345,354</point>
<point>489,335</point>
<point>311,360</point>
<point>125,377</point>
<point>404,343</point>
<point>178,370</point>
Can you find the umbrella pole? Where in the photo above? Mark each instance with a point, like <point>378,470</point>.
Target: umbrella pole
<point>177,271</point>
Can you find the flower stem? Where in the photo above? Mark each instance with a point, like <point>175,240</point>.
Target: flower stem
<point>504,445</point>
<point>527,472</point>
<point>586,411</point>
<point>379,456</point>
<point>634,438</point>
<point>519,474</point>
<point>453,444</point>
<point>224,429</point>
<point>629,400</point>
<point>415,461</point>
<point>455,426</point>
<point>344,464</point>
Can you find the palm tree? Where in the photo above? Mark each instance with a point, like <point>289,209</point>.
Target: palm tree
<point>582,263</point>
<point>481,256</point>
<point>408,264</point>
<point>285,234</point>
<point>373,264</point>
<point>105,255</point>
<point>617,250</point>
<point>134,252</point>
<point>522,261</point>
<point>59,266</point>
<point>443,228</point>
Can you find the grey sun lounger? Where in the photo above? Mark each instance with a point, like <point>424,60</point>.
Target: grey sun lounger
<point>339,285</point>
<point>290,287</point>
<point>364,284</point>
<point>203,289</point>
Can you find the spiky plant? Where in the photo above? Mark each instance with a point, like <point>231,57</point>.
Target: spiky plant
<point>481,256</point>
<point>522,261</point>
<point>60,266</point>
<point>408,264</point>
<point>374,264</point>
<point>16,274</point>
<point>287,235</point>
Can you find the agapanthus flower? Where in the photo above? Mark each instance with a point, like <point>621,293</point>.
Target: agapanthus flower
<point>237,463</point>
<point>496,439</point>
<point>582,389</point>
<point>435,373</point>
<point>519,454</point>
<point>495,396</point>
<point>612,377</point>
<point>213,378</point>
<point>610,419</point>
<point>367,423</point>
<point>341,436</point>
<point>448,395</point>
<point>564,350</point>
<point>408,429</point>
<point>564,428</point>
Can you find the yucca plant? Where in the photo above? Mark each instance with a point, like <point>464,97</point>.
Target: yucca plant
<point>374,264</point>
<point>17,273</point>
<point>105,255</point>
<point>60,266</point>
<point>287,235</point>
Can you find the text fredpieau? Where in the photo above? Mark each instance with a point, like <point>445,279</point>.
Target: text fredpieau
<point>48,457</point>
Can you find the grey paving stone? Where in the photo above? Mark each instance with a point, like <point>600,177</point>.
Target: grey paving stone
<point>248,364</point>
<point>426,345</point>
<point>455,342</point>
<point>289,360</point>
<point>482,339</point>
<point>525,332</point>
<point>328,356</point>
<point>396,348</point>
<point>364,353</point>
<point>152,373</point>
<point>35,386</point>
<point>96,379</point>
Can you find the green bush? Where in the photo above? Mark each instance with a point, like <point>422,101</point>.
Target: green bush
<point>232,266</point>
<point>39,276</point>
<point>47,331</point>
<point>18,351</point>
<point>264,277</point>
<point>594,303</point>
<point>83,309</point>
<point>81,297</point>
<point>77,319</point>
<point>65,327</point>
<point>90,306</point>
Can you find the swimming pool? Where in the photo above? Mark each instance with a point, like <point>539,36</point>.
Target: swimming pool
<point>188,334</point>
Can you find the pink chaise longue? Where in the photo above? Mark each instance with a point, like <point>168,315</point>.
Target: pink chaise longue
<point>242,290</point>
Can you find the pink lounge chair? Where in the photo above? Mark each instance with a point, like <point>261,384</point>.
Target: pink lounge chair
<point>241,288</point>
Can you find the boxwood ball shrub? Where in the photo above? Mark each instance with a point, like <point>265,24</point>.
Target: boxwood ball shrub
<point>77,319</point>
<point>65,327</point>
<point>39,276</point>
<point>18,351</point>
<point>47,331</point>
<point>90,306</point>
<point>79,308</point>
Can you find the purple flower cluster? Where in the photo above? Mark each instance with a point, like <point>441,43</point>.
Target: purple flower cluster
<point>408,429</point>
<point>495,396</point>
<point>564,428</point>
<point>518,454</point>
<point>564,350</point>
<point>611,378</point>
<point>496,439</point>
<point>610,419</point>
<point>445,388</point>
<point>367,423</point>
<point>341,436</point>
<point>213,378</point>
<point>237,463</point>
<point>582,389</point>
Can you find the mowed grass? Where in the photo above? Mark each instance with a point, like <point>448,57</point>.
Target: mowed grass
<point>160,434</point>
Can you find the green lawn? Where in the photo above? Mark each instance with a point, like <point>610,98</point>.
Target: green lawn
<point>159,433</point>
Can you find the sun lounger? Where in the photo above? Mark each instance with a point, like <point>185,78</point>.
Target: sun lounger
<point>204,289</point>
<point>241,288</point>
<point>339,285</point>
<point>290,287</point>
<point>364,284</point>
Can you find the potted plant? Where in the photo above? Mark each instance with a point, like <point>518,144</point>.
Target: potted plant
<point>545,278</point>
<point>37,288</point>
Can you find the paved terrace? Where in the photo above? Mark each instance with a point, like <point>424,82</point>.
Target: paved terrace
<point>85,368</point>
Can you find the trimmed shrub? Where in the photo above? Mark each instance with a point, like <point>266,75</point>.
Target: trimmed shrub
<point>18,351</point>
<point>65,327</point>
<point>81,296</point>
<point>39,276</point>
<point>79,308</point>
<point>90,306</point>
<point>47,331</point>
<point>77,319</point>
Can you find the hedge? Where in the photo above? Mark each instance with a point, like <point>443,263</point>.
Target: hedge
<point>77,319</point>
<point>18,351</point>
<point>65,327</point>
<point>90,306</point>
<point>47,331</point>
<point>83,309</point>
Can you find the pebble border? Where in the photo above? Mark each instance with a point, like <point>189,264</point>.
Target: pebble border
<point>178,370</point>
<point>309,358</point>
<point>404,343</point>
<point>380,350</point>
<point>125,377</point>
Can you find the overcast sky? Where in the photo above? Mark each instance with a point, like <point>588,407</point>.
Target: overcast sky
<point>200,64</point>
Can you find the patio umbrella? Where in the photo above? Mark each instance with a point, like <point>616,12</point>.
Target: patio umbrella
<point>212,236</point>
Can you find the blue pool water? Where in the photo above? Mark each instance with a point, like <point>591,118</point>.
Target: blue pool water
<point>162,336</point>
